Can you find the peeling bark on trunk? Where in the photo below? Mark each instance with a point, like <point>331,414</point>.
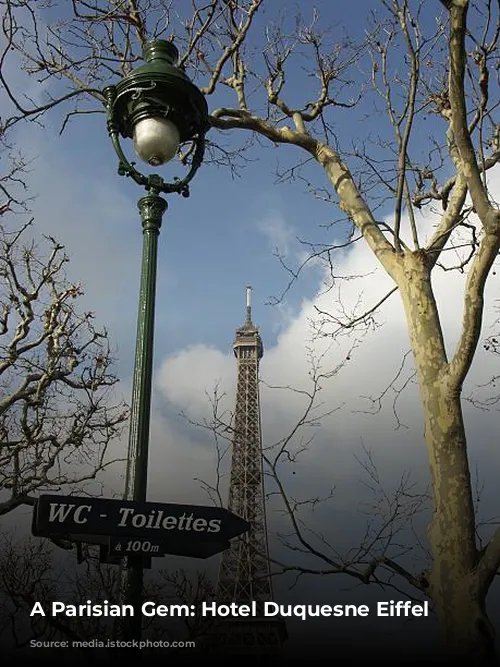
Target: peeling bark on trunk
<point>453,584</point>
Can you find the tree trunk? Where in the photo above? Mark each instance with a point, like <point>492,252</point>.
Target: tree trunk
<point>453,584</point>
<point>467,633</point>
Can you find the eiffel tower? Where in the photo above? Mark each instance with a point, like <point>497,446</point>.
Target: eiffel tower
<point>244,574</point>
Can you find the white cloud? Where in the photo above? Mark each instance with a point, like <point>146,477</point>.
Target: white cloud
<point>176,464</point>
<point>278,233</point>
<point>187,379</point>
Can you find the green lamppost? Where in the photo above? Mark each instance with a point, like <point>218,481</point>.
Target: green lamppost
<point>158,107</point>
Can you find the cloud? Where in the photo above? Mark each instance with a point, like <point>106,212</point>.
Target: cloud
<point>178,464</point>
<point>187,378</point>
<point>279,235</point>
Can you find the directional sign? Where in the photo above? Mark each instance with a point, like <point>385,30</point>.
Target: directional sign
<point>174,529</point>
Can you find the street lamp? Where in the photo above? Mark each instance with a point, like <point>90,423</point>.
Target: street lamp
<point>160,109</point>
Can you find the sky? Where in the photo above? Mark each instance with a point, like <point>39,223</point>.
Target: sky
<point>211,246</point>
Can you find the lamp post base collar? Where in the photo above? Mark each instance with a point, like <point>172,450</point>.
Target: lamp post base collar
<point>152,207</point>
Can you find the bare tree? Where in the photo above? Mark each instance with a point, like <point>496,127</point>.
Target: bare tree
<point>442,72</point>
<point>57,416</point>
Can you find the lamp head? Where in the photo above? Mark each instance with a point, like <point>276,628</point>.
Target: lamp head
<point>158,106</point>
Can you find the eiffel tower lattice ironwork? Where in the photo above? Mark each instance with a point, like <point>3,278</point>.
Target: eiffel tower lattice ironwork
<point>244,574</point>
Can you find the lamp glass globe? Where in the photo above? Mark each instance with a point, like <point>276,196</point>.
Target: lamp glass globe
<point>156,140</point>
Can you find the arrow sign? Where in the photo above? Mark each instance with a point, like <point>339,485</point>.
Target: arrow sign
<point>73,515</point>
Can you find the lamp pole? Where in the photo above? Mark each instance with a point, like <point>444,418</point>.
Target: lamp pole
<point>152,208</point>
<point>158,107</point>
